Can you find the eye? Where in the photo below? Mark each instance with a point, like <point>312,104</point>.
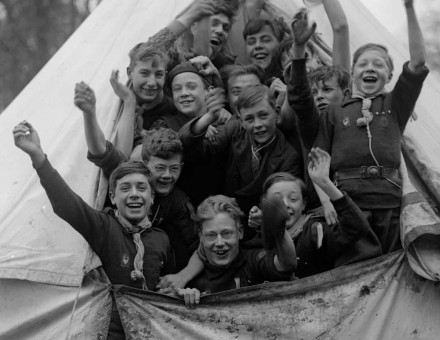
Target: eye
<point>143,187</point>
<point>160,74</point>
<point>124,188</point>
<point>192,86</point>
<point>176,88</point>
<point>263,115</point>
<point>175,169</point>
<point>266,39</point>
<point>226,28</point>
<point>250,41</point>
<point>236,92</point>
<point>249,119</point>
<point>159,168</point>
<point>227,234</point>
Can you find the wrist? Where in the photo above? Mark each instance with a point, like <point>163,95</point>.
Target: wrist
<point>38,158</point>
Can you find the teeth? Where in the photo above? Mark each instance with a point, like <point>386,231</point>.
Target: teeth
<point>260,56</point>
<point>134,205</point>
<point>186,102</point>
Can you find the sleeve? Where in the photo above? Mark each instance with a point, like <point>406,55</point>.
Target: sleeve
<point>324,135</point>
<point>352,226</point>
<point>109,160</point>
<point>182,221</point>
<point>261,267</point>
<point>292,163</point>
<point>165,38</point>
<point>405,93</point>
<point>300,98</point>
<point>90,223</point>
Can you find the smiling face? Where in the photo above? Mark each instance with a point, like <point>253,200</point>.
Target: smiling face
<point>132,197</point>
<point>236,85</point>
<point>165,173</point>
<point>189,94</point>
<point>261,47</point>
<point>148,81</point>
<point>327,92</point>
<point>259,121</point>
<point>371,72</point>
<point>220,26</point>
<point>291,194</point>
<point>219,236</point>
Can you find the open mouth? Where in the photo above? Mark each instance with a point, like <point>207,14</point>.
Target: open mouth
<point>134,206</point>
<point>322,106</point>
<point>150,92</point>
<point>369,79</point>
<point>221,253</point>
<point>186,102</point>
<point>259,133</point>
<point>215,42</point>
<point>261,56</point>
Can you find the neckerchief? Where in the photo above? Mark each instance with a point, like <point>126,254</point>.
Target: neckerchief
<point>136,231</point>
<point>295,230</point>
<point>256,154</point>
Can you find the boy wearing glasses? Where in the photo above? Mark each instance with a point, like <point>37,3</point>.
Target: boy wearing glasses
<point>163,153</point>
<point>226,265</point>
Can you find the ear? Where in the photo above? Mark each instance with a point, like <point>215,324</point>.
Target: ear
<point>210,88</point>
<point>112,197</point>
<point>193,28</point>
<point>346,94</point>
<point>129,73</point>
<point>390,76</point>
<point>240,232</point>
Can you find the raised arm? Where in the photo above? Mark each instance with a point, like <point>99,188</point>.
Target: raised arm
<point>214,105</point>
<point>85,100</point>
<point>339,24</point>
<point>417,51</point>
<point>126,125</point>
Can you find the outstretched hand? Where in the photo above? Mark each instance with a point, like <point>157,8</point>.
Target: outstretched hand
<point>255,218</point>
<point>26,138</point>
<point>85,99</point>
<point>120,89</point>
<point>301,29</point>
<point>215,102</point>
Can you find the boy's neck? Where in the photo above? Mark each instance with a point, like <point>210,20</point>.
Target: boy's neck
<point>151,105</point>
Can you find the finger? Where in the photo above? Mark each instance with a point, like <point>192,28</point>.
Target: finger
<point>186,297</point>
<point>166,290</point>
<point>197,297</point>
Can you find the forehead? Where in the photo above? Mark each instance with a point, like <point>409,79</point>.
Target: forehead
<point>373,54</point>
<point>175,159</point>
<point>218,223</point>
<point>265,31</point>
<point>133,178</point>
<point>243,80</point>
<point>187,77</point>
<point>149,64</point>
<point>286,188</point>
<point>259,107</point>
<point>220,17</point>
<point>332,82</point>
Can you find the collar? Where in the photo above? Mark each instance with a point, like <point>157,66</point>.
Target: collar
<point>130,228</point>
<point>213,272</point>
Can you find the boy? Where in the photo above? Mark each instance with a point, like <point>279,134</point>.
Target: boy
<point>119,237</point>
<point>251,148</point>
<point>227,266</point>
<point>163,153</point>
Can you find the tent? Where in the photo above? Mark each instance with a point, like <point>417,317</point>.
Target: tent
<point>51,286</point>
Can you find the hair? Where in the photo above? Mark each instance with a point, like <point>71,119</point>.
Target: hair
<point>163,143</point>
<point>214,205</point>
<point>127,168</point>
<point>146,52</point>
<point>231,71</point>
<point>226,7</point>
<point>278,27</point>
<point>254,95</point>
<point>325,73</point>
<point>287,43</point>
<point>377,47</point>
<point>285,177</point>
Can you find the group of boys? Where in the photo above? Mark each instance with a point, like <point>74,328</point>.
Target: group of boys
<point>232,131</point>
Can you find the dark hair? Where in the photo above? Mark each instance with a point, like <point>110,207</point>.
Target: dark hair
<point>214,205</point>
<point>127,168</point>
<point>285,177</point>
<point>145,52</point>
<point>163,143</point>
<point>325,73</point>
<point>278,27</point>
<point>253,95</point>
<point>377,47</point>
<point>231,71</point>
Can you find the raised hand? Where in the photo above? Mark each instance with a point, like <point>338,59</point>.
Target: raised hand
<point>26,138</point>
<point>197,10</point>
<point>255,218</point>
<point>215,102</point>
<point>300,28</point>
<point>120,89</point>
<point>278,87</point>
<point>319,165</point>
<point>204,65</point>
<point>85,99</point>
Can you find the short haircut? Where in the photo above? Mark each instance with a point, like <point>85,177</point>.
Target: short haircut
<point>285,177</point>
<point>278,27</point>
<point>162,143</point>
<point>325,73</point>
<point>377,47</point>
<point>127,168</point>
<point>214,205</point>
<point>253,95</point>
<point>231,71</point>
<point>145,52</point>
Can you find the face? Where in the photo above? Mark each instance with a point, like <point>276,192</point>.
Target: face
<point>371,72</point>
<point>262,47</point>
<point>165,173</point>
<point>132,197</point>
<point>327,92</point>
<point>189,94</point>
<point>290,193</point>
<point>148,81</point>
<point>220,237</point>
<point>236,85</point>
<point>220,26</point>
<point>259,121</point>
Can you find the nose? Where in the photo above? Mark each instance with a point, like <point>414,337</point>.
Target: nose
<point>219,241</point>
<point>166,173</point>
<point>134,192</point>
<point>319,96</point>
<point>257,123</point>
<point>184,91</point>
<point>151,80</point>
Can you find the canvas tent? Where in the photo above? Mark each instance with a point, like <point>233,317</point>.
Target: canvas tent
<point>50,287</point>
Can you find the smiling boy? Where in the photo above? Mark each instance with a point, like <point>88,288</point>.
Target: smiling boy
<point>251,148</point>
<point>118,237</point>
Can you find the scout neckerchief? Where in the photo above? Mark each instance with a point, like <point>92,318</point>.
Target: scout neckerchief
<point>256,154</point>
<point>295,230</point>
<point>136,231</point>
